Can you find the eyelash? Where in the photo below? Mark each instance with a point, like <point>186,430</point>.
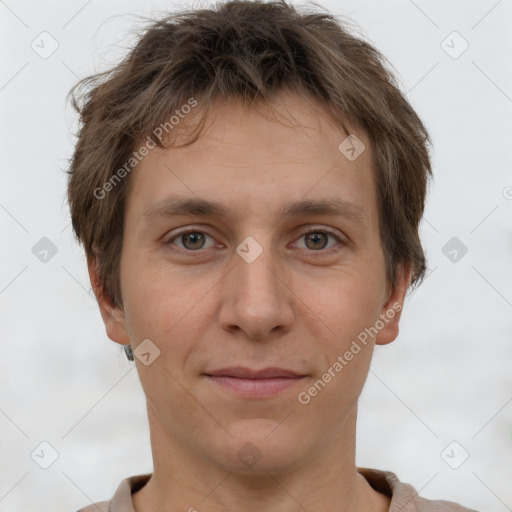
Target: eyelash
<point>201,251</point>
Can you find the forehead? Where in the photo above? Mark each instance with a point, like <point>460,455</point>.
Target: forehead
<point>263,159</point>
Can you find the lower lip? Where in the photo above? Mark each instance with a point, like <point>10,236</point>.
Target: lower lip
<point>255,388</point>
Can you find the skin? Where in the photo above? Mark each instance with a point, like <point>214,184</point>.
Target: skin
<point>297,306</point>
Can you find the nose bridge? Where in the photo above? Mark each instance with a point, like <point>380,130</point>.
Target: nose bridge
<point>256,299</point>
<point>256,279</point>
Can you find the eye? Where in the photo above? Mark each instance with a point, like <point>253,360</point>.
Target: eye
<point>317,240</point>
<point>194,240</point>
<point>191,240</point>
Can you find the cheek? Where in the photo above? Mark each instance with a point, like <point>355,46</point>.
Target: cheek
<point>166,308</point>
<point>345,303</point>
<point>349,308</point>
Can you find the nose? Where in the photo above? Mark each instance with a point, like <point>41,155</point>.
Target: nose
<point>256,298</point>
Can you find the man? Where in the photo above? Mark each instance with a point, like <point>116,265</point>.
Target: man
<point>248,185</point>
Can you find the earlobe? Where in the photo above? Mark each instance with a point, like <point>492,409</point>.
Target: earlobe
<point>392,309</point>
<point>112,315</point>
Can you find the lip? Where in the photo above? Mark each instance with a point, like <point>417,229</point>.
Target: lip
<point>241,372</point>
<point>250,383</point>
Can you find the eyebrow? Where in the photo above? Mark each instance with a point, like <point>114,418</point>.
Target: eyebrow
<point>176,206</point>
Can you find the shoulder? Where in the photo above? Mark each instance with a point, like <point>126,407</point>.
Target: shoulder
<point>122,499</point>
<point>403,496</point>
<point>101,506</point>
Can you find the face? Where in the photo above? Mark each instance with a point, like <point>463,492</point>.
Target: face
<point>252,262</point>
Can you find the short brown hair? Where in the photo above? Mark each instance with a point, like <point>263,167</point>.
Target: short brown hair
<point>247,50</point>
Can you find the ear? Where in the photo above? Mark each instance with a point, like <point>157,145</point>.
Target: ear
<point>113,315</point>
<point>392,309</point>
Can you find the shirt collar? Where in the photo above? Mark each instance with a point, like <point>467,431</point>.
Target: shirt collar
<point>403,496</point>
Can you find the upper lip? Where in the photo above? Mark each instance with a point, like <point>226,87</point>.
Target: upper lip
<point>247,373</point>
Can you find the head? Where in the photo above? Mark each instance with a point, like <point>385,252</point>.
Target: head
<point>298,132</point>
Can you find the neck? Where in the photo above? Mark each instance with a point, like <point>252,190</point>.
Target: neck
<point>184,480</point>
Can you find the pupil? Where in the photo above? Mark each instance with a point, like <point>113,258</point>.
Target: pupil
<point>315,237</point>
<point>193,238</point>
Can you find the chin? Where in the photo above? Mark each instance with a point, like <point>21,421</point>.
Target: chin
<point>260,446</point>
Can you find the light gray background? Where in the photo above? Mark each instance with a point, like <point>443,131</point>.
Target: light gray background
<point>446,378</point>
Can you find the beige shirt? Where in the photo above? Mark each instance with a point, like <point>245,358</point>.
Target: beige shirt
<point>403,496</point>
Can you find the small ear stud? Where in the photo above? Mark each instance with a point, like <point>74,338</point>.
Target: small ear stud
<point>129,352</point>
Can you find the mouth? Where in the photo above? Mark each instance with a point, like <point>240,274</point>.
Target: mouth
<point>255,383</point>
